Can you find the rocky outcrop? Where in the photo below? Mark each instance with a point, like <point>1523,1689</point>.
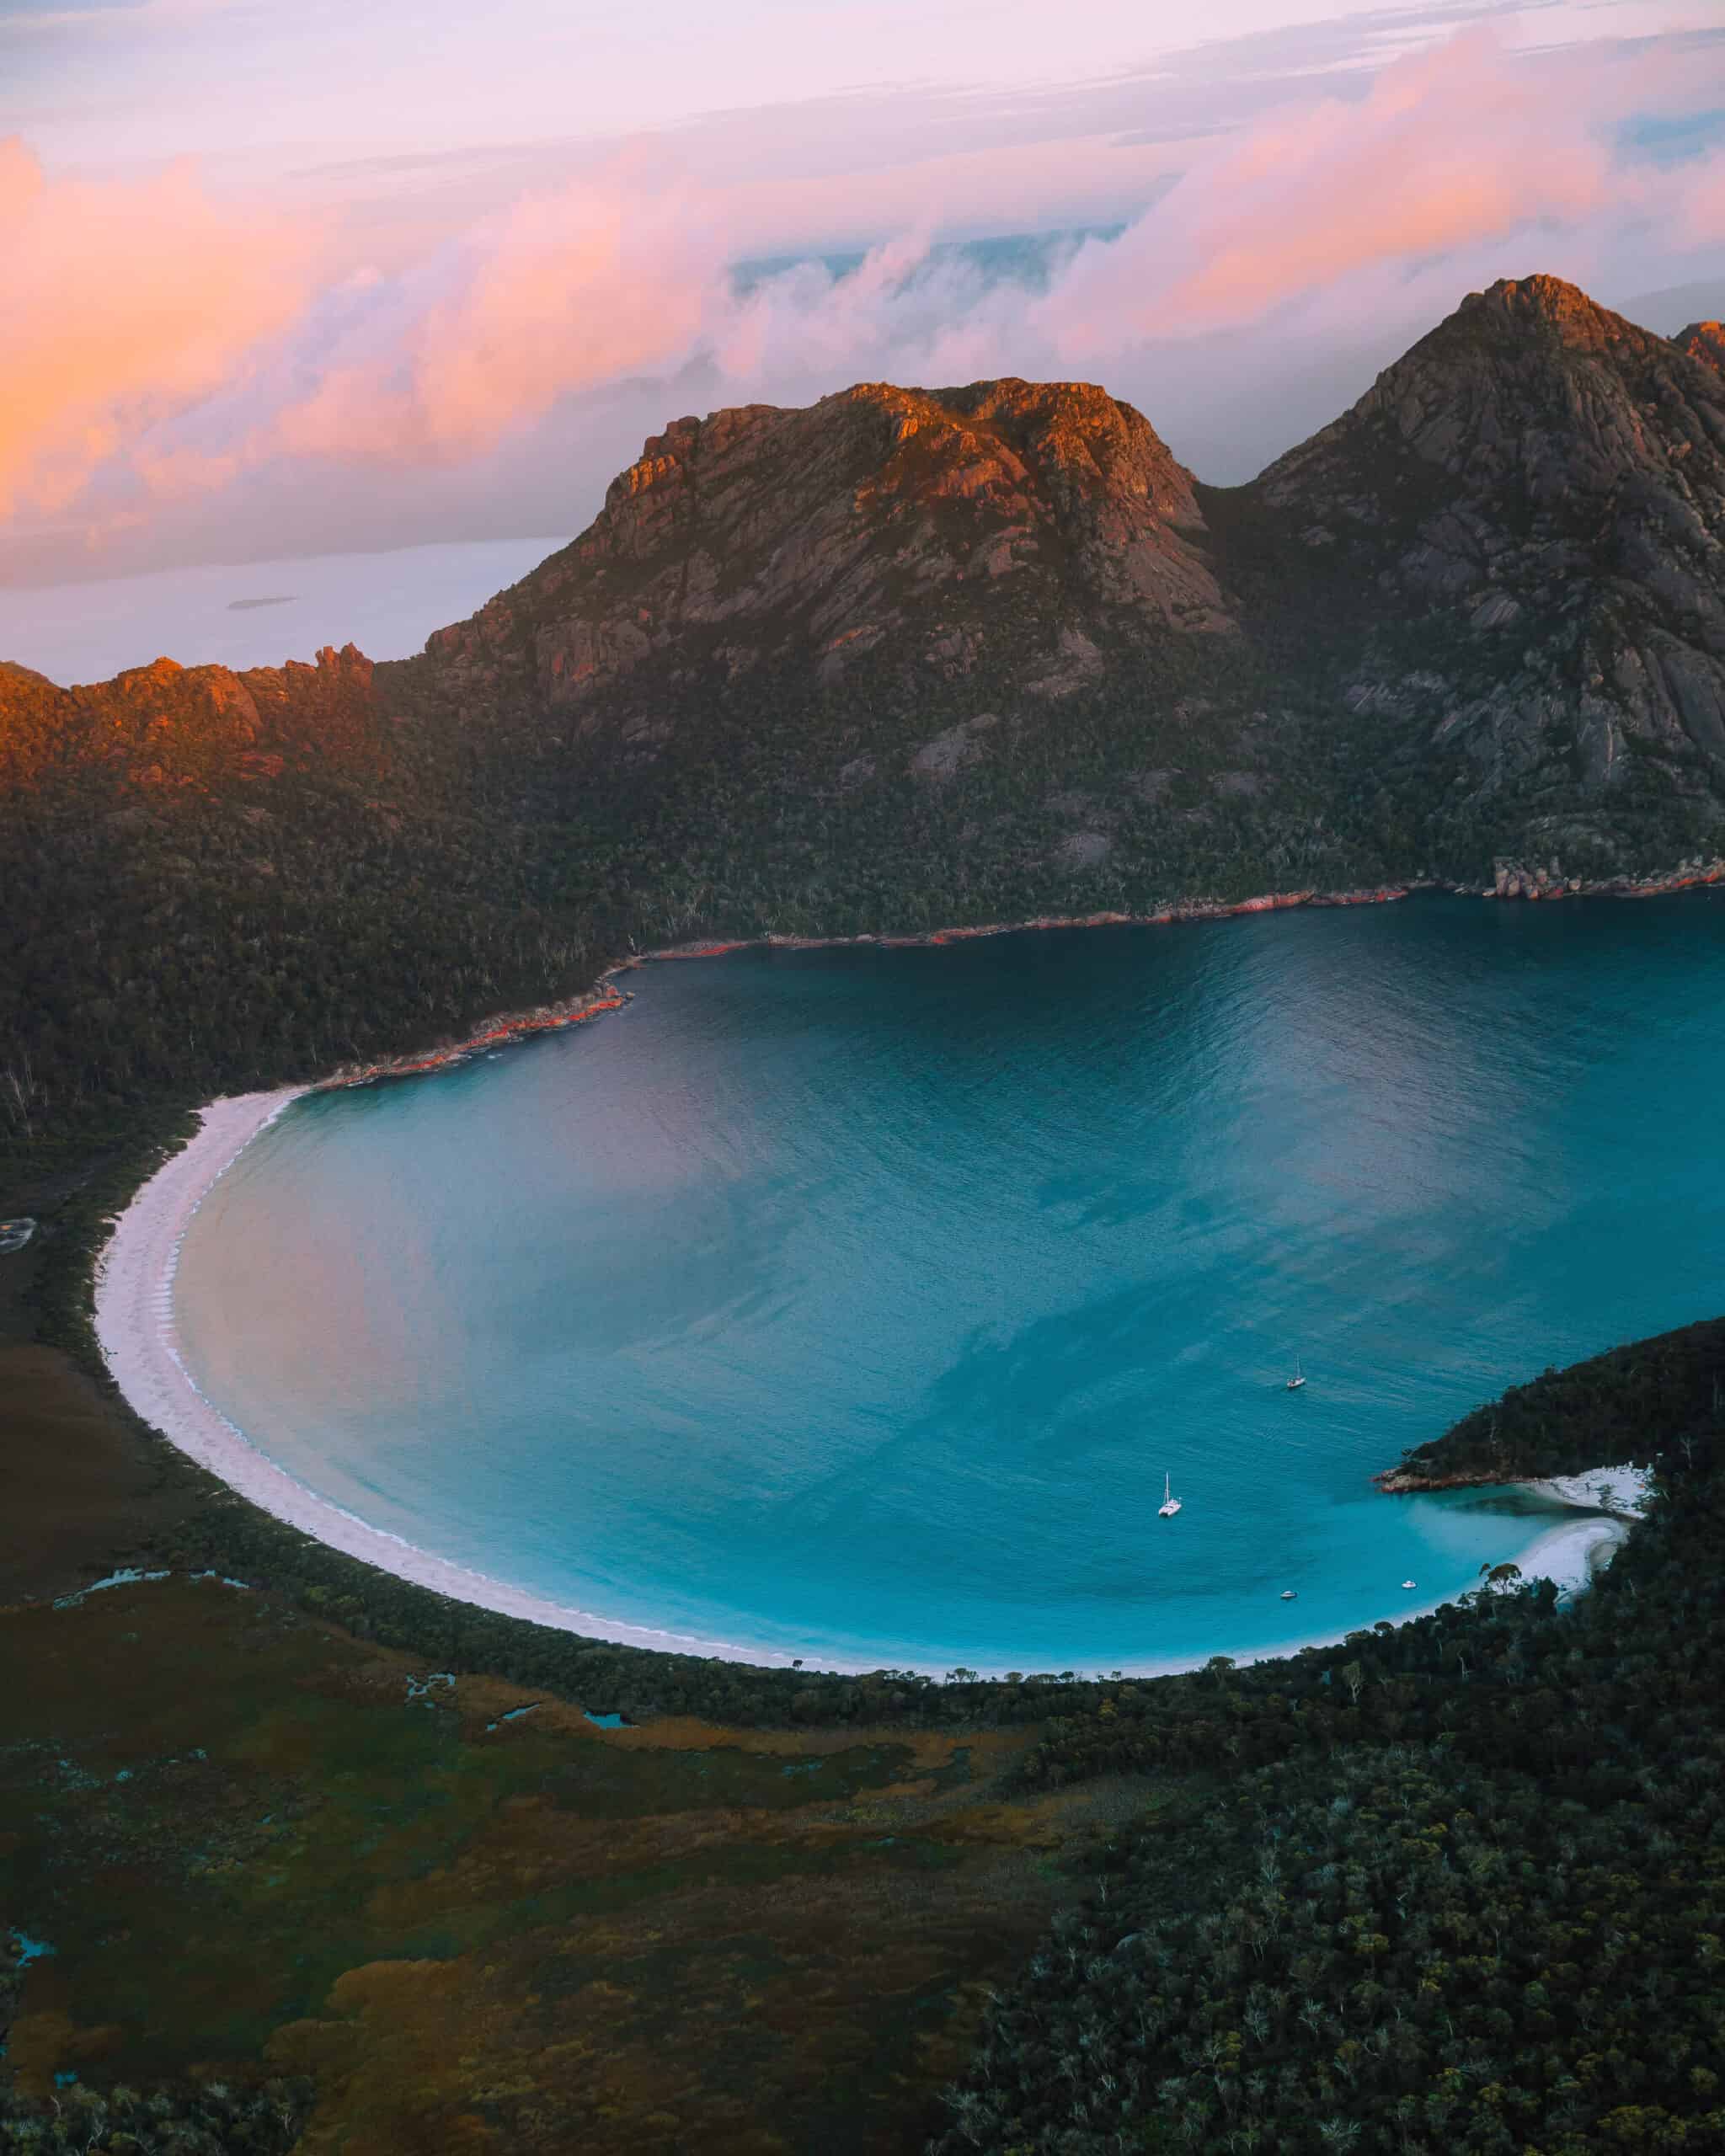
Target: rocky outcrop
<point>1534,498</point>
<point>1504,563</point>
<point>1704,341</point>
<point>1481,615</point>
<point>971,656</point>
<point>1515,879</point>
<point>168,725</point>
<point>881,520</point>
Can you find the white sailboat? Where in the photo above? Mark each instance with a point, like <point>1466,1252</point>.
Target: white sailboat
<point>1297,1379</point>
<point>1170,1504</point>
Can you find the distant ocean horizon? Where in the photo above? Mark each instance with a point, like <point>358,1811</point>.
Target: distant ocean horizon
<point>259,613</point>
<point>854,1303</point>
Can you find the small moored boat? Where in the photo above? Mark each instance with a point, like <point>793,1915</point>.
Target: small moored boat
<point>1410,1583</point>
<point>1288,1595</point>
<point>1298,1379</point>
<point>1170,1504</point>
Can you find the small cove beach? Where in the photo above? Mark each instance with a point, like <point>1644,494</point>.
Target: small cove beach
<point>568,1562</point>
<point>139,1343</point>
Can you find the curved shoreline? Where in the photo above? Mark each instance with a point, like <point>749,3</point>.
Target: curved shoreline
<point>606,995</point>
<point>140,1344</point>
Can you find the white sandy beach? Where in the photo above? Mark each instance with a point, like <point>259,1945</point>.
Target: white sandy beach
<point>1620,1490</point>
<point>135,1328</point>
<point>1571,1554</point>
<point>1610,1499</point>
<point>139,1341</point>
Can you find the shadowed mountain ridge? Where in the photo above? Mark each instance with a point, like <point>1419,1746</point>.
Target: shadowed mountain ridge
<point>900,660</point>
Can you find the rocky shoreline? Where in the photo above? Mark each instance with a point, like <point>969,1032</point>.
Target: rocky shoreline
<point>514,1026</point>
<point>1405,1482</point>
<point>1514,879</point>
<point>1619,1491</point>
<point>606,996</point>
<point>1511,880</point>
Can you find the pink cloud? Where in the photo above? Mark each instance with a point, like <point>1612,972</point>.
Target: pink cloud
<point>1702,213</point>
<point>1449,148</point>
<point>564,292</point>
<point>126,301</point>
<point>177,357</point>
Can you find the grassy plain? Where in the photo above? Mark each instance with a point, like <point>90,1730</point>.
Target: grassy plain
<point>258,1847</point>
<point>255,1844</point>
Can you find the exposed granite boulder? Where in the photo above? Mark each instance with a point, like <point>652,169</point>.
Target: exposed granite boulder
<point>950,752</point>
<point>1704,341</point>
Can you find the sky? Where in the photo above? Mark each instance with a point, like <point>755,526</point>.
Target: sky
<point>293,277</point>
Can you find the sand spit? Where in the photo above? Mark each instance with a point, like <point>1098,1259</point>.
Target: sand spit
<point>1623,1490</point>
<point>1570,1555</point>
<point>1610,1499</point>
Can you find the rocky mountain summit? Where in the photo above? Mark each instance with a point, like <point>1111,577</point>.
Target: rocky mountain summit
<point>165,724</point>
<point>1498,575</point>
<point>910,522</point>
<point>1704,341</point>
<point>1535,497</point>
<point>910,658</point>
<point>1491,592</point>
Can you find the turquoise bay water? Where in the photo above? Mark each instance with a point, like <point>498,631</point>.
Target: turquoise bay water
<point>855,1303</point>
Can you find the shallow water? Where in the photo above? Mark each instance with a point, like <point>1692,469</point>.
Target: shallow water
<point>856,1303</point>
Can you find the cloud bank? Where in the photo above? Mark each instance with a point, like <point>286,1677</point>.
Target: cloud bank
<point>126,304</point>
<point>194,380</point>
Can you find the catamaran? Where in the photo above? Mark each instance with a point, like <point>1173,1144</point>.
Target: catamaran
<point>1297,1379</point>
<point>1170,1504</point>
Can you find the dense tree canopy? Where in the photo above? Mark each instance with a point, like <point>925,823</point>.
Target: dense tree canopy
<point>1453,1886</point>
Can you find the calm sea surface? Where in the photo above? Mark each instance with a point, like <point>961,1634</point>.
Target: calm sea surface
<point>856,1303</point>
<point>259,613</point>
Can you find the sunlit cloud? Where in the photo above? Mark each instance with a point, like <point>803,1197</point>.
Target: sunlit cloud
<point>1450,148</point>
<point>184,365</point>
<point>563,293</point>
<point>127,303</point>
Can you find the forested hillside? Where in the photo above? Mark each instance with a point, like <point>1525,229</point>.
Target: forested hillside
<point>1453,1885</point>
<point>904,659</point>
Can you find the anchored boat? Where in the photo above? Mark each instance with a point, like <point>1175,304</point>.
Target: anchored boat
<point>1170,1504</point>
